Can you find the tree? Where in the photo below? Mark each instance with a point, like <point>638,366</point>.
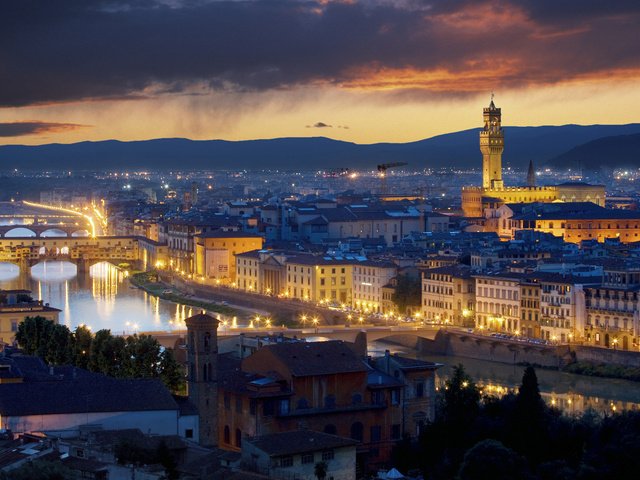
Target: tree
<point>490,459</point>
<point>82,339</point>
<point>59,347</point>
<point>461,398</point>
<point>171,372</point>
<point>108,354</point>
<point>408,292</point>
<point>33,334</point>
<point>320,470</point>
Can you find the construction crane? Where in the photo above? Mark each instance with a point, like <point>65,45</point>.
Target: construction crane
<point>382,170</point>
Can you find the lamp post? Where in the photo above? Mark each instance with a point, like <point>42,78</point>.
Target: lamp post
<point>315,323</point>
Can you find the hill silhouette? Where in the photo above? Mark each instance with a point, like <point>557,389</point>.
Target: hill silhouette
<point>458,149</point>
<point>616,151</point>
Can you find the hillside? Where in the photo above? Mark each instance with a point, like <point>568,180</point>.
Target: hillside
<point>460,149</point>
<point>613,152</point>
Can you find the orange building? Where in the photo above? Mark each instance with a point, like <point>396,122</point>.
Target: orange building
<point>321,386</point>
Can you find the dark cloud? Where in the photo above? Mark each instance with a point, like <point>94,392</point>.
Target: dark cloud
<point>320,125</point>
<point>21,129</point>
<point>90,49</point>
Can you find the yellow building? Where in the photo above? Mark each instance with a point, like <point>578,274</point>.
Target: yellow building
<point>215,253</point>
<point>317,279</point>
<point>15,306</point>
<point>493,193</point>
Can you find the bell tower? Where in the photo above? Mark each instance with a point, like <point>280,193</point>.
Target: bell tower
<point>492,146</point>
<point>202,377</point>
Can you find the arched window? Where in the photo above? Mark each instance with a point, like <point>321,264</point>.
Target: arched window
<point>356,431</point>
<point>207,341</point>
<point>238,438</point>
<point>227,435</point>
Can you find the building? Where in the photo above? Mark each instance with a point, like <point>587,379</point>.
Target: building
<point>498,302</point>
<point>369,279</point>
<point>15,306</point>
<point>478,202</point>
<point>448,295</point>
<point>295,454</point>
<point>35,397</point>
<point>319,279</point>
<point>320,386</point>
<point>612,309</point>
<point>202,374</point>
<point>215,253</point>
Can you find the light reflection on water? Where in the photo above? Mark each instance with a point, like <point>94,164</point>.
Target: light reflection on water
<point>572,393</point>
<point>102,298</point>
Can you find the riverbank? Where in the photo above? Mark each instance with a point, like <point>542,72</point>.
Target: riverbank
<point>150,283</point>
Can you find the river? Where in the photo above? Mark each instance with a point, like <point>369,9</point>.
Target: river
<point>571,393</point>
<point>103,298</point>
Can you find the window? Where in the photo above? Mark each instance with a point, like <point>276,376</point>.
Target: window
<point>376,433</point>
<point>395,396</point>
<point>395,432</point>
<point>238,404</point>
<point>14,326</point>
<point>327,455</point>
<point>227,434</point>
<point>356,431</point>
<point>286,462</point>
<point>238,437</point>
<point>307,458</point>
<point>283,406</point>
<point>227,401</point>
<point>252,406</point>
<point>420,389</point>
<point>188,433</point>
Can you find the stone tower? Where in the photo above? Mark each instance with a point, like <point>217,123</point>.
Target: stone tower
<point>531,175</point>
<point>491,146</point>
<point>202,379</point>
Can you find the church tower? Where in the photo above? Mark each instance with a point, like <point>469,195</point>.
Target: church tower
<point>491,146</point>
<point>202,379</point>
<point>531,175</point>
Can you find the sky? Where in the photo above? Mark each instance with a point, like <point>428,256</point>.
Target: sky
<point>361,71</point>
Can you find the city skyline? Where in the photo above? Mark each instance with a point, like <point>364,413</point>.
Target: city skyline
<point>364,72</point>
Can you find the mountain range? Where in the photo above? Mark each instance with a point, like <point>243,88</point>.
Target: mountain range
<point>560,146</point>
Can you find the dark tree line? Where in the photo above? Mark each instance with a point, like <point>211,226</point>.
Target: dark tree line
<point>136,356</point>
<point>520,437</point>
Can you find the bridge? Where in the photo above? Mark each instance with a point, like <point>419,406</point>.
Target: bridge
<point>334,332</point>
<point>29,219</point>
<point>83,251</point>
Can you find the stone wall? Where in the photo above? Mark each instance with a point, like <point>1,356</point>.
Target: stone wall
<point>495,350</point>
<point>606,355</point>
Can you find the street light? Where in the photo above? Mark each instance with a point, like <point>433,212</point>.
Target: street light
<point>315,323</point>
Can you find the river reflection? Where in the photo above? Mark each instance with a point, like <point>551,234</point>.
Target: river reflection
<point>572,393</point>
<point>101,298</point>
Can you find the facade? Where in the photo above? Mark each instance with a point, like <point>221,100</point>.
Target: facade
<point>477,201</point>
<point>319,279</point>
<point>498,302</point>
<point>202,374</point>
<point>612,309</point>
<point>295,454</point>
<point>369,279</point>
<point>323,387</point>
<point>448,295</point>
<point>35,397</point>
<point>15,306</point>
<point>215,253</point>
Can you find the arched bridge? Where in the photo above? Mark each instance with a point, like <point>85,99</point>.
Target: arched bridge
<point>83,251</point>
<point>43,230</point>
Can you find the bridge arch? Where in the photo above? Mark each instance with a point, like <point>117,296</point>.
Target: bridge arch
<point>80,233</point>
<point>20,232</point>
<point>54,232</point>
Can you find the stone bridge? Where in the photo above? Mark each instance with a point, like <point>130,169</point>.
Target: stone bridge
<point>83,251</point>
<point>44,230</point>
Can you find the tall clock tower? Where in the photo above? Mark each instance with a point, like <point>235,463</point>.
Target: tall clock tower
<point>202,379</point>
<point>492,146</point>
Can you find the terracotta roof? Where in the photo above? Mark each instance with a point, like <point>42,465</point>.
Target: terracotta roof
<point>298,441</point>
<point>316,358</point>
